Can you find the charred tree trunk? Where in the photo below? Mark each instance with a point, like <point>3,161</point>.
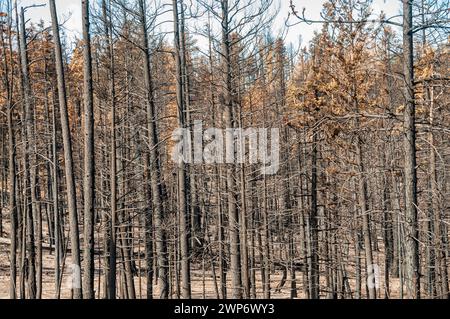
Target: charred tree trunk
<point>68,159</point>
<point>412,259</point>
<point>155,181</point>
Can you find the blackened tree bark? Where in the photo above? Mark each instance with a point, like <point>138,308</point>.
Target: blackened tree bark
<point>411,226</point>
<point>89,164</point>
<point>155,174</point>
<point>111,291</point>
<point>30,169</point>
<point>182,178</point>
<point>68,158</point>
<point>8,77</point>
<point>233,217</point>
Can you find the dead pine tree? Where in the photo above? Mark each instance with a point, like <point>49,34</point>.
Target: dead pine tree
<point>29,160</point>
<point>111,240</point>
<point>68,159</point>
<point>181,171</point>
<point>412,259</point>
<point>8,80</point>
<point>89,164</point>
<point>154,161</point>
<point>228,98</point>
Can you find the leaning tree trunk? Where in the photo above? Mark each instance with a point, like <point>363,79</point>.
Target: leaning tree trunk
<point>68,159</point>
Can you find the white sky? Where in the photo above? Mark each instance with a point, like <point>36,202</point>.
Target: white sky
<point>313,9</point>
<point>70,12</point>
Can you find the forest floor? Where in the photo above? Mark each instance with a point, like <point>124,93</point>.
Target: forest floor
<point>48,290</point>
<point>202,282</point>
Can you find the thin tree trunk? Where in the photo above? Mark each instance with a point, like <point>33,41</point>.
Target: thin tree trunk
<point>29,163</point>
<point>362,197</point>
<point>233,218</point>
<point>111,240</point>
<point>160,234</point>
<point>412,259</point>
<point>182,182</point>
<point>55,195</point>
<point>439,235</point>
<point>314,290</point>
<point>89,164</point>
<point>8,72</point>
